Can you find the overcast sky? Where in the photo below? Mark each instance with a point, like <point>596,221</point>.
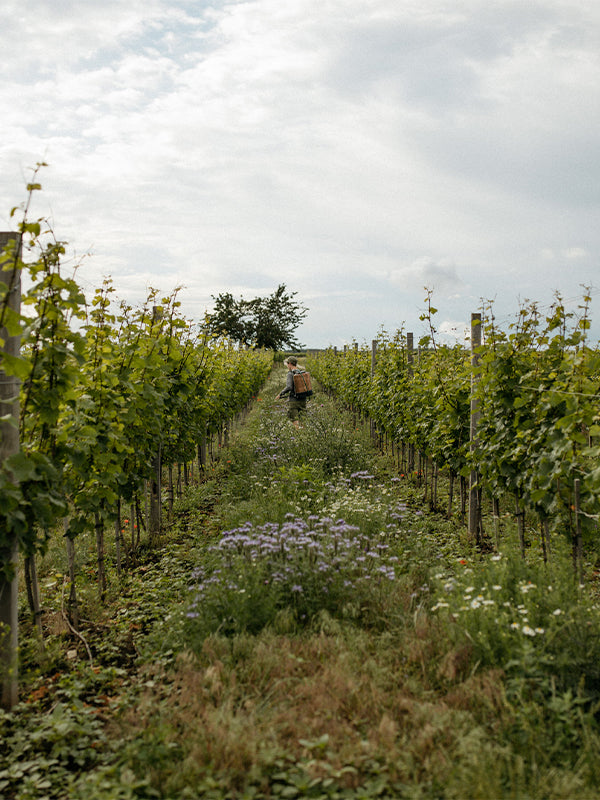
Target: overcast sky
<point>355,150</point>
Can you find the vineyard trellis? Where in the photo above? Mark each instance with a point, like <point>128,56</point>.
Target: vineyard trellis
<point>110,398</point>
<point>114,397</point>
<point>514,415</point>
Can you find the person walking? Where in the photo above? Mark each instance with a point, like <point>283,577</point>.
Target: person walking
<point>296,405</point>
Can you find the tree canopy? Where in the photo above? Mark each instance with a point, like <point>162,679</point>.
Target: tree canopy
<point>264,322</point>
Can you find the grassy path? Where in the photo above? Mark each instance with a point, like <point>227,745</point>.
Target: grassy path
<point>336,642</point>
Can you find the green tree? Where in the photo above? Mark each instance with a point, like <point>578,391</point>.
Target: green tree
<point>264,322</point>
<point>231,318</point>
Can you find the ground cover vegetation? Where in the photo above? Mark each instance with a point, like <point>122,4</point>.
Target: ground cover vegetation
<point>309,628</point>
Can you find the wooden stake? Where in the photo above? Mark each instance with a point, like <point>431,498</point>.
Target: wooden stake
<point>99,526</point>
<point>543,532</point>
<point>373,362</point>
<point>72,604</point>
<point>118,539</point>
<point>155,500</point>
<point>577,546</point>
<point>9,445</point>
<point>450,493</point>
<point>496,513</point>
<point>474,511</point>
<point>520,525</point>
<point>37,606</point>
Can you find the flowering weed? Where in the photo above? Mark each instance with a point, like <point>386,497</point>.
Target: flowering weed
<point>524,617</point>
<point>302,567</point>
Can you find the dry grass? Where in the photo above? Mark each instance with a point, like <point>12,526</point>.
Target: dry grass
<point>318,699</point>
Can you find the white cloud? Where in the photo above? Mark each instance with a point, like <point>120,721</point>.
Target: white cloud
<point>575,253</point>
<point>426,273</point>
<point>385,146</point>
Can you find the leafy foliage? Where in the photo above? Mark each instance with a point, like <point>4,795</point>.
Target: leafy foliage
<point>412,686</point>
<point>264,322</point>
<point>536,392</point>
<point>103,393</point>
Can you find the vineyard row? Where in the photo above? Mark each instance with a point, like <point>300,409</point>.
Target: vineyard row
<point>96,401</point>
<point>516,414</point>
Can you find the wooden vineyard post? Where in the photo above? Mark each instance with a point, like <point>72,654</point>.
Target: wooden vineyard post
<point>154,522</point>
<point>373,363</point>
<point>474,493</point>
<point>9,445</point>
<point>410,352</point>
<point>201,455</point>
<point>118,540</point>
<point>577,546</point>
<point>72,603</point>
<point>100,555</point>
<point>410,359</point>
<point>154,517</point>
